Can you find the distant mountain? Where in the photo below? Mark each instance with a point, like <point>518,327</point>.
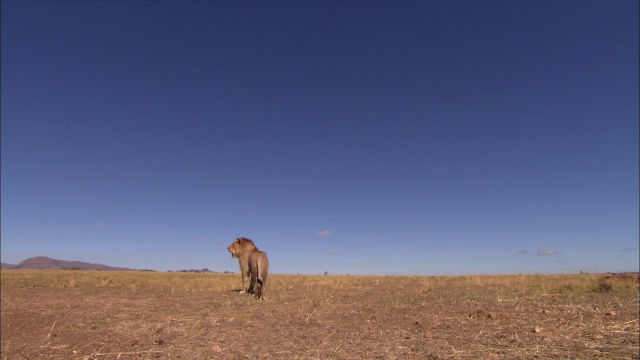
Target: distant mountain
<point>205,270</point>
<point>45,263</point>
<point>6,266</point>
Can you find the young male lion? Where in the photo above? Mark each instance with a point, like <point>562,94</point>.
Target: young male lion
<point>254,266</point>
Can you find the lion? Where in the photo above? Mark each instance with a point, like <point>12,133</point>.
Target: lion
<point>254,266</point>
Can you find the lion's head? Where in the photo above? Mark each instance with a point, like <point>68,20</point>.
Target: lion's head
<point>241,246</point>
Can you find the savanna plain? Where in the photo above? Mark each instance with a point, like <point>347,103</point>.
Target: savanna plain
<point>72,314</point>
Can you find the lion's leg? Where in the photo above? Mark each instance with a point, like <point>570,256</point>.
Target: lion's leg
<point>252,284</point>
<point>259,290</point>
<point>244,273</point>
<point>263,270</point>
<point>257,287</point>
<point>258,284</point>
<point>246,282</point>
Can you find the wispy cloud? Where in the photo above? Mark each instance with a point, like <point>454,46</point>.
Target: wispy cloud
<point>332,252</point>
<point>547,252</point>
<point>220,241</point>
<point>523,251</point>
<point>100,225</point>
<point>629,249</point>
<point>325,233</point>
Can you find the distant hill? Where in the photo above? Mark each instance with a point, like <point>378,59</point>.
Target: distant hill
<point>205,270</point>
<point>45,263</point>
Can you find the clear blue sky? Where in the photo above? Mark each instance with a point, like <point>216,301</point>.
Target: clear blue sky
<point>428,137</point>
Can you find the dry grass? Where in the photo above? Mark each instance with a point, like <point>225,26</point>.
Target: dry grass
<point>145,315</point>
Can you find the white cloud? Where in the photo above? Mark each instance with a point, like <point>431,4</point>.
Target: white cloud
<point>325,233</point>
<point>332,252</point>
<point>100,225</point>
<point>523,251</point>
<point>220,241</point>
<point>547,252</point>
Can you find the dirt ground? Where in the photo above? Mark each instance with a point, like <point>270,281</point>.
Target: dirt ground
<point>136,315</point>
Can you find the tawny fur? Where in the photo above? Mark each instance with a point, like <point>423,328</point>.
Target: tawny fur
<point>254,266</point>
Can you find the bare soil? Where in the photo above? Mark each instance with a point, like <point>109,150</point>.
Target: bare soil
<point>135,315</point>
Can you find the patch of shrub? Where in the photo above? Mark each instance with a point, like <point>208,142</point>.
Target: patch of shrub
<point>602,286</point>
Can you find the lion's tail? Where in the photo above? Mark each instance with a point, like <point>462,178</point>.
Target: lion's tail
<point>259,272</point>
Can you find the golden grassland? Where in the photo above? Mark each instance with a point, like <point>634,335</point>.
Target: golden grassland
<point>540,284</point>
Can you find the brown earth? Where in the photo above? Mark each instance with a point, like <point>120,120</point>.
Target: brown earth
<point>135,315</point>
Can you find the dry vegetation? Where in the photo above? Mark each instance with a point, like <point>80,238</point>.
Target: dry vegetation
<point>138,315</point>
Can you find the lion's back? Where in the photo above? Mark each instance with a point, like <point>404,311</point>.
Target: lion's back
<point>261,258</point>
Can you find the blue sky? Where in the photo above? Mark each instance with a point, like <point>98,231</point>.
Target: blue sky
<point>429,137</point>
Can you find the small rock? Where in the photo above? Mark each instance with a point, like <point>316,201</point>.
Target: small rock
<point>537,328</point>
